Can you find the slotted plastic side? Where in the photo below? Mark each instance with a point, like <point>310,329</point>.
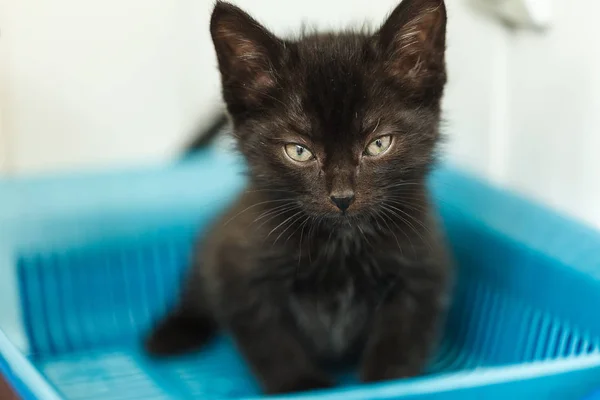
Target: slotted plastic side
<point>501,328</point>
<point>83,299</point>
<point>520,273</point>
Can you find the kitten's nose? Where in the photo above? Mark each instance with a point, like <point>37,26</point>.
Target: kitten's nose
<point>342,200</point>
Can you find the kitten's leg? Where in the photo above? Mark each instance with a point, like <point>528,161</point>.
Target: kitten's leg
<point>279,360</point>
<point>180,332</point>
<point>188,327</point>
<point>404,334</point>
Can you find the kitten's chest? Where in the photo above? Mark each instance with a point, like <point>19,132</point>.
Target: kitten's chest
<point>332,318</point>
<point>335,295</point>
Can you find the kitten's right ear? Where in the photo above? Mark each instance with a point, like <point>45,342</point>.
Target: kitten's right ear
<point>248,55</point>
<point>414,42</point>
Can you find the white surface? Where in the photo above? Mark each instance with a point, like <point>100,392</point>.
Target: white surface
<point>554,152</point>
<point>521,13</point>
<point>3,134</point>
<point>90,83</point>
<point>3,148</point>
<point>473,101</point>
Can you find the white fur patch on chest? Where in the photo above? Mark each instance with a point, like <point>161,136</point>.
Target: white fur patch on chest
<point>331,321</point>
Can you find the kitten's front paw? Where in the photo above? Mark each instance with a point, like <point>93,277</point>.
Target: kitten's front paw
<point>300,384</point>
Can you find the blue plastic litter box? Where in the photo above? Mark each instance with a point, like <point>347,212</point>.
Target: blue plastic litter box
<point>87,263</point>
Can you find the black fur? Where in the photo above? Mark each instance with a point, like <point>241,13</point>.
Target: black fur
<point>208,134</point>
<point>298,283</point>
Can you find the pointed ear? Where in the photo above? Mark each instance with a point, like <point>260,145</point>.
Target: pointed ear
<point>413,40</point>
<point>248,54</point>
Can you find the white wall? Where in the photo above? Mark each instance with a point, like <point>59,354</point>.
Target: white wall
<point>90,83</point>
<point>4,165</point>
<point>554,107</point>
<point>474,102</point>
<point>99,83</point>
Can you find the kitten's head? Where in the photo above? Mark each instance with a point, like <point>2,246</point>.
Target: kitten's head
<point>341,122</point>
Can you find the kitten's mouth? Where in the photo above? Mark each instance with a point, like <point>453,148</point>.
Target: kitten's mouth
<point>341,217</point>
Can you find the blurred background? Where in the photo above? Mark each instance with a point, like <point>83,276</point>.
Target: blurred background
<point>107,84</point>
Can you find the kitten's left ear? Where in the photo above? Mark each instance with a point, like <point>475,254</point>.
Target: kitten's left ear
<point>413,40</point>
<point>248,55</point>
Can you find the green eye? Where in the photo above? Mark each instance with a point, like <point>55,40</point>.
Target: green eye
<point>378,146</point>
<point>298,153</point>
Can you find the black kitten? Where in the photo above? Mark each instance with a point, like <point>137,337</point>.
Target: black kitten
<point>332,254</point>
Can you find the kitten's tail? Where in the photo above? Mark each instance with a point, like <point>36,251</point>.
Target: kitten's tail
<point>205,136</point>
<point>181,332</point>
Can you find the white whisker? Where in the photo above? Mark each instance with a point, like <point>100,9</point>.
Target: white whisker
<point>284,221</point>
<point>252,206</point>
